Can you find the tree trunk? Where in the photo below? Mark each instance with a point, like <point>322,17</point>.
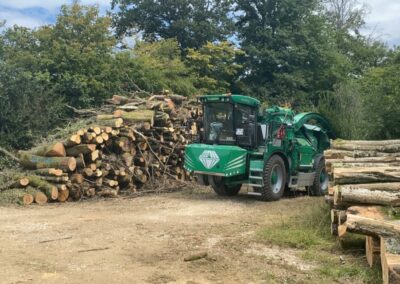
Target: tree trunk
<point>35,162</point>
<point>47,188</point>
<point>80,162</point>
<point>137,116</point>
<point>372,227</point>
<point>374,193</point>
<point>49,172</point>
<point>366,175</point>
<point>388,148</point>
<point>62,179</point>
<point>110,121</point>
<point>51,150</point>
<point>81,149</point>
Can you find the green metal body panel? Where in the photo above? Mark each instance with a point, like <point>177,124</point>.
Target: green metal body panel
<point>306,136</point>
<point>221,160</point>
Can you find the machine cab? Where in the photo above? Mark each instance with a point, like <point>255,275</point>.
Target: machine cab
<point>230,120</point>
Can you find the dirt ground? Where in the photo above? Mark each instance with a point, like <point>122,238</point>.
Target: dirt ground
<point>145,240</point>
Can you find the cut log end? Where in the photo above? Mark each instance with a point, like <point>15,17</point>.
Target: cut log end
<point>24,181</point>
<point>40,198</point>
<point>26,199</point>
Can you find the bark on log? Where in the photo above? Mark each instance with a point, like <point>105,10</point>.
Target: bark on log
<point>47,188</point>
<point>388,148</point>
<point>137,116</point>
<point>62,179</point>
<point>364,142</point>
<point>52,150</point>
<point>366,175</point>
<point>35,162</point>
<point>80,162</point>
<point>378,193</point>
<point>113,122</point>
<point>372,227</point>
<point>49,172</point>
<point>81,149</point>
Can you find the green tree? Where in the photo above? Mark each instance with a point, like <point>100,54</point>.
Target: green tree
<point>77,52</point>
<point>381,88</point>
<point>192,23</point>
<point>214,66</point>
<point>28,106</point>
<point>290,54</point>
<point>347,18</point>
<point>154,67</point>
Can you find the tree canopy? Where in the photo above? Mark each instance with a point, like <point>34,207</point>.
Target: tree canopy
<point>192,23</point>
<point>308,54</point>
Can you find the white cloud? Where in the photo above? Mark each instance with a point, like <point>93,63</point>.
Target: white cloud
<point>17,18</point>
<point>48,4</point>
<point>24,4</point>
<point>384,20</point>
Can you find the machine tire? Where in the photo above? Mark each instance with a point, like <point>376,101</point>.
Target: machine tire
<point>273,191</point>
<point>220,188</point>
<point>321,181</point>
<point>202,180</point>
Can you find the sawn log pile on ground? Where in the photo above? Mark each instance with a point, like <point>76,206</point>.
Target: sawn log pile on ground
<point>365,198</point>
<point>137,141</point>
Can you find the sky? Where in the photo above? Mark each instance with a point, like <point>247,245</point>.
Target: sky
<point>383,21</point>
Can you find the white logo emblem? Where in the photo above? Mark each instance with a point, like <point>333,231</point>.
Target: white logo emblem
<point>209,159</point>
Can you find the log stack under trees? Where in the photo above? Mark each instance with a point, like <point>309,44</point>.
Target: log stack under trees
<point>139,141</point>
<point>364,196</point>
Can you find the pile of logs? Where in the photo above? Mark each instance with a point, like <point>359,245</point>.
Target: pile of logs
<point>141,140</point>
<point>364,195</point>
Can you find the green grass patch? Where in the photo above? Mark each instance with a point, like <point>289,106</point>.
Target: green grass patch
<point>309,233</point>
<point>310,229</point>
<point>344,266</point>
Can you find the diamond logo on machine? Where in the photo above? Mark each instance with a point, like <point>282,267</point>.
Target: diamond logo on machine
<point>209,159</point>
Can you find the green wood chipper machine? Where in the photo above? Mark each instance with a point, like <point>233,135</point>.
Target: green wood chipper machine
<point>270,151</point>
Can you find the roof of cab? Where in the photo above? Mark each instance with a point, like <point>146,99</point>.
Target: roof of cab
<point>240,99</point>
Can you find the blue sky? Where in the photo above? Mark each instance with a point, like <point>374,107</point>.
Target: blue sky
<point>383,21</point>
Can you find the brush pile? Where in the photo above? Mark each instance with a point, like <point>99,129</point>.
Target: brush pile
<point>365,198</point>
<point>136,141</point>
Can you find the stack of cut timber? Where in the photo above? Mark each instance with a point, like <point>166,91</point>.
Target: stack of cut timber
<point>141,140</point>
<point>365,186</point>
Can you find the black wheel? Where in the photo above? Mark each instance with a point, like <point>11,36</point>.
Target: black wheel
<point>202,180</point>
<point>220,188</point>
<point>321,181</point>
<point>274,179</point>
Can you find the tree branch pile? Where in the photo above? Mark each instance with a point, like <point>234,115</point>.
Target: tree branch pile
<point>139,141</point>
